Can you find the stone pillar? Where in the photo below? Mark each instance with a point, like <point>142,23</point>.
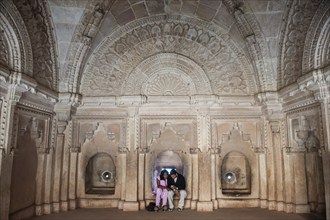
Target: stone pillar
<point>278,164</point>
<point>300,183</point>
<point>295,181</point>
<point>325,106</point>
<point>64,204</point>
<point>74,151</point>
<point>326,173</point>
<point>65,172</point>
<point>263,180</point>
<point>315,182</point>
<point>270,167</point>
<point>141,178</point>
<point>195,180</point>
<point>48,182</point>
<point>39,183</point>
<point>288,179</point>
<point>123,179</point>
<point>270,160</point>
<point>7,141</point>
<point>213,180</point>
<point>58,165</point>
<point>131,191</point>
<point>204,161</point>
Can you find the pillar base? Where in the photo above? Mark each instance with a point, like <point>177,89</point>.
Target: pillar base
<point>204,206</point>
<point>142,204</point>
<point>193,205</point>
<point>64,206</point>
<point>56,207</point>
<point>302,209</point>
<point>72,204</point>
<point>121,204</point>
<point>47,208</point>
<point>131,206</point>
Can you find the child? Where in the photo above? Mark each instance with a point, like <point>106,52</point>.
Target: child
<point>162,190</point>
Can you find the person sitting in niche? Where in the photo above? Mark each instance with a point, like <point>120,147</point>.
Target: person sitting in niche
<point>177,185</point>
<point>162,190</point>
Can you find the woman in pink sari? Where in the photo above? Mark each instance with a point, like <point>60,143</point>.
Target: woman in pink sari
<point>162,189</point>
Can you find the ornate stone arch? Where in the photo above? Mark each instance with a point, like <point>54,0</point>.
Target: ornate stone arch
<point>226,66</point>
<point>255,43</point>
<point>297,22</point>
<point>317,50</point>
<point>16,53</point>
<point>82,38</point>
<point>35,15</point>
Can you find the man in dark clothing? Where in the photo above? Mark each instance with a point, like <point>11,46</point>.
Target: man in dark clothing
<point>177,184</point>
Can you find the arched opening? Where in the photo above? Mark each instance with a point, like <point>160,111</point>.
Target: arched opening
<point>167,160</point>
<point>100,175</point>
<point>235,174</point>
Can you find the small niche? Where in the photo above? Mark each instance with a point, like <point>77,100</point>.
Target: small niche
<point>100,175</point>
<point>235,174</point>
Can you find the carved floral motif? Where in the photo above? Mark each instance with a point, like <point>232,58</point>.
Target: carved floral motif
<point>3,51</point>
<point>298,21</point>
<point>38,25</point>
<point>117,58</point>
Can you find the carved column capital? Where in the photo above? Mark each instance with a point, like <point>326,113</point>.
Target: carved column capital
<point>75,149</point>
<point>61,126</point>
<point>275,126</point>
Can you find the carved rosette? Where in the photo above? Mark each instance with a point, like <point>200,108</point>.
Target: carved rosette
<point>167,84</point>
<point>123,51</point>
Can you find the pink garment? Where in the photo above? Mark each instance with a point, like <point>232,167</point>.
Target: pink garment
<point>161,194</point>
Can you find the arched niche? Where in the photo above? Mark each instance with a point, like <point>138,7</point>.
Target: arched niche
<point>235,174</point>
<point>166,160</point>
<point>100,175</point>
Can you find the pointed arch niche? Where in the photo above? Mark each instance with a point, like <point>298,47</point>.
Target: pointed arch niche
<point>168,144</point>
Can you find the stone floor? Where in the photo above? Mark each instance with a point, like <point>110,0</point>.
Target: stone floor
<point>234,214</point>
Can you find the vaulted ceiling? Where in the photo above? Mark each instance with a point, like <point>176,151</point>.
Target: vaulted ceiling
<point>173,47</point>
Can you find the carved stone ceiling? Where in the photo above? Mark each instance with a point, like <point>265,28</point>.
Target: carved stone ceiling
<point>233,46</point>
<point>35,15</point>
